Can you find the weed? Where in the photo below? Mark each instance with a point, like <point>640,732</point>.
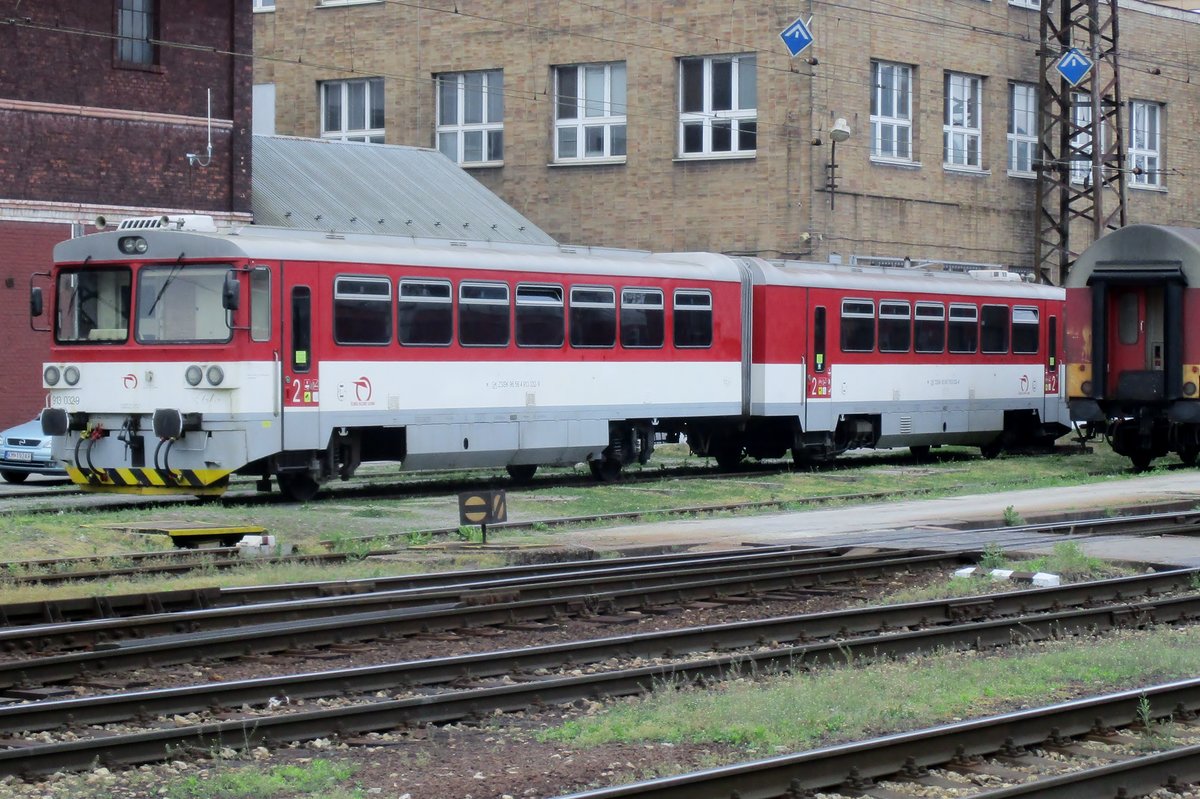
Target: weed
<point>318,777</point>
<point>418,538</point>
<point>472,534</point>
<point>993,555</point>
<point>1012,518</point>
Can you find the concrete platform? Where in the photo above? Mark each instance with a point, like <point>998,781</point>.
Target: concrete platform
<point>936,523</point>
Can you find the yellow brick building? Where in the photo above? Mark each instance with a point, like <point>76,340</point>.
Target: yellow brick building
<point>673,125</point>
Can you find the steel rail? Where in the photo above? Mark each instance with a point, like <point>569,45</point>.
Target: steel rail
<point>773,571</point>
<point>122,605</point>
<point>882,757</point>
<point>671,643</point>
<point>1137,777</point>
<point>969,737</point>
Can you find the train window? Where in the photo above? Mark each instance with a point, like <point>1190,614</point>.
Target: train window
<point>424,313</point>
<point>362,310</point>
<point>593,317</point>
<point>181,304</point>
<point>993,336</point>
<point>483,314</point>
<point>693,318</point>
<point>1025,331</point>
<point>930,327</point>
<point>539,316</point>
<point>93,305</point>
<point>301,328</point>
<point>858,326</point>
<point>1128,323</point>
<point>895,326</point>
<point>260,303</point>
<point>964,328</point>
<point>818,337</point>
<point>642,318</point>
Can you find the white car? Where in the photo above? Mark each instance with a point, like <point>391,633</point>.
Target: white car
<point>25,451</point>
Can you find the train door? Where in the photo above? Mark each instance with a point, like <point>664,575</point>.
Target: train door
<point>1135,342</point>
<point>818,404</point>
<point>301,369</point>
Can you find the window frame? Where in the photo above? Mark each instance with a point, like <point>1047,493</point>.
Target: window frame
<point>1144,154</point>
<point>1018,324</point>
<point>464,303</point>
<point>588,311</point>
<point>384,300</point>
<point>491,131</point>
<point>645,308</point>
<point>892,319</point>
<point>895,94</point>
<point>447,301</point>
<point>264,5</point>
<point>962,322</point>
<point>611,121</point>
<point>845,313</point>
<point>372,87</point>
<point>922,321</point>
<point>740,121</point>
<point>1022,128</point>
<point>987,327</point>
<point>959,135</point>
<point>525,296</point>
<point>1081,118</point>
<point>678,308</point>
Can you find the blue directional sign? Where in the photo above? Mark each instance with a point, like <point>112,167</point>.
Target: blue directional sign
<point>1074,66</point>
<point>797,37</point>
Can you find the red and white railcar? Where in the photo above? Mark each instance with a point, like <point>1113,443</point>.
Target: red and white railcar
<point>182,355</point>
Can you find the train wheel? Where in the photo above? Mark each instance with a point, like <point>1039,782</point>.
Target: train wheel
<point>992,449</point>
<point>297,487</point>
<point>606,470</point>
<point>920,452</point>
<point>728,457</point>
<point>1187,456</point>
<point>1140,460</point>
<point>521,473</point>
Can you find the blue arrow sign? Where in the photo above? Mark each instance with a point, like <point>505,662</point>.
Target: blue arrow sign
<point>1074,66</point>
<point>797,37</point>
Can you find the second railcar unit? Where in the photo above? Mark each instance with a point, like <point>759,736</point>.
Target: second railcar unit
<point>183,354</point>
<point>1133,361</point>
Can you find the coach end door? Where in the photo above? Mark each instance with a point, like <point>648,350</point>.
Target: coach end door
<point>301,379</point>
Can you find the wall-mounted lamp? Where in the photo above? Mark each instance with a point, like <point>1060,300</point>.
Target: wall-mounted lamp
<point>838,133</point>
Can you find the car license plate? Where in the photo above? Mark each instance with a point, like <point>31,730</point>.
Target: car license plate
<point>17,456</point>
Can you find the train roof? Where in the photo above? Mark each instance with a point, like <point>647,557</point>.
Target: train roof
<point>918,281</point>
<point>1137,250</point>
<point>260,243</point>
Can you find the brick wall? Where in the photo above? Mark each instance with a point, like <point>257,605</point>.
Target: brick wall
<point>774,203</point>
<point>105,133</point>
<point>28,248</point>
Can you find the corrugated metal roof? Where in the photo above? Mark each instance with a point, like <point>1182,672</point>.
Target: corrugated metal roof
<point>317,184</point>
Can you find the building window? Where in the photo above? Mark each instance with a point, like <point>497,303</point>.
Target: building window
<point>891,111</point>
<point>264,5</point>
<point>1022,128</point>
<point>718,105</point>
<point>961,134</point>
<point>1034,4</point>
<point>470,116</point>
<point>589,115</point>
<point>137,24</point>
<point>1080,148</point>
<point>352,110</point>
<point>1145,158</point>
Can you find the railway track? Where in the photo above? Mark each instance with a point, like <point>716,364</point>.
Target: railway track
<point>529,680</point>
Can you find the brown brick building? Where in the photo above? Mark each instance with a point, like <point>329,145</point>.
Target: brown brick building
<point>687,125</point>
<point>100,103</point>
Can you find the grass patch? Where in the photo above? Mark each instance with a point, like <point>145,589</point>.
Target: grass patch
<point>318,778</point>
<point>827,705</point>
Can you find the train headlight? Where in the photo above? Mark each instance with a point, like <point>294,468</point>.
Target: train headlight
<point>1189,389</point>
<point>71,375</point>
<point>193,375</point>
<point>51,375</point>
<point>133,245</point>
<point>1086,388</point>
<point>215,375</point>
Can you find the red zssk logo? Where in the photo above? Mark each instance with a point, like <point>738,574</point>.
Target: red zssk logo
<point>130,380</point>
<point>362,389</point>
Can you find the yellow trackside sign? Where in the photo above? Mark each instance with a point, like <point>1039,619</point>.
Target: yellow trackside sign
<point>482,507</point>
